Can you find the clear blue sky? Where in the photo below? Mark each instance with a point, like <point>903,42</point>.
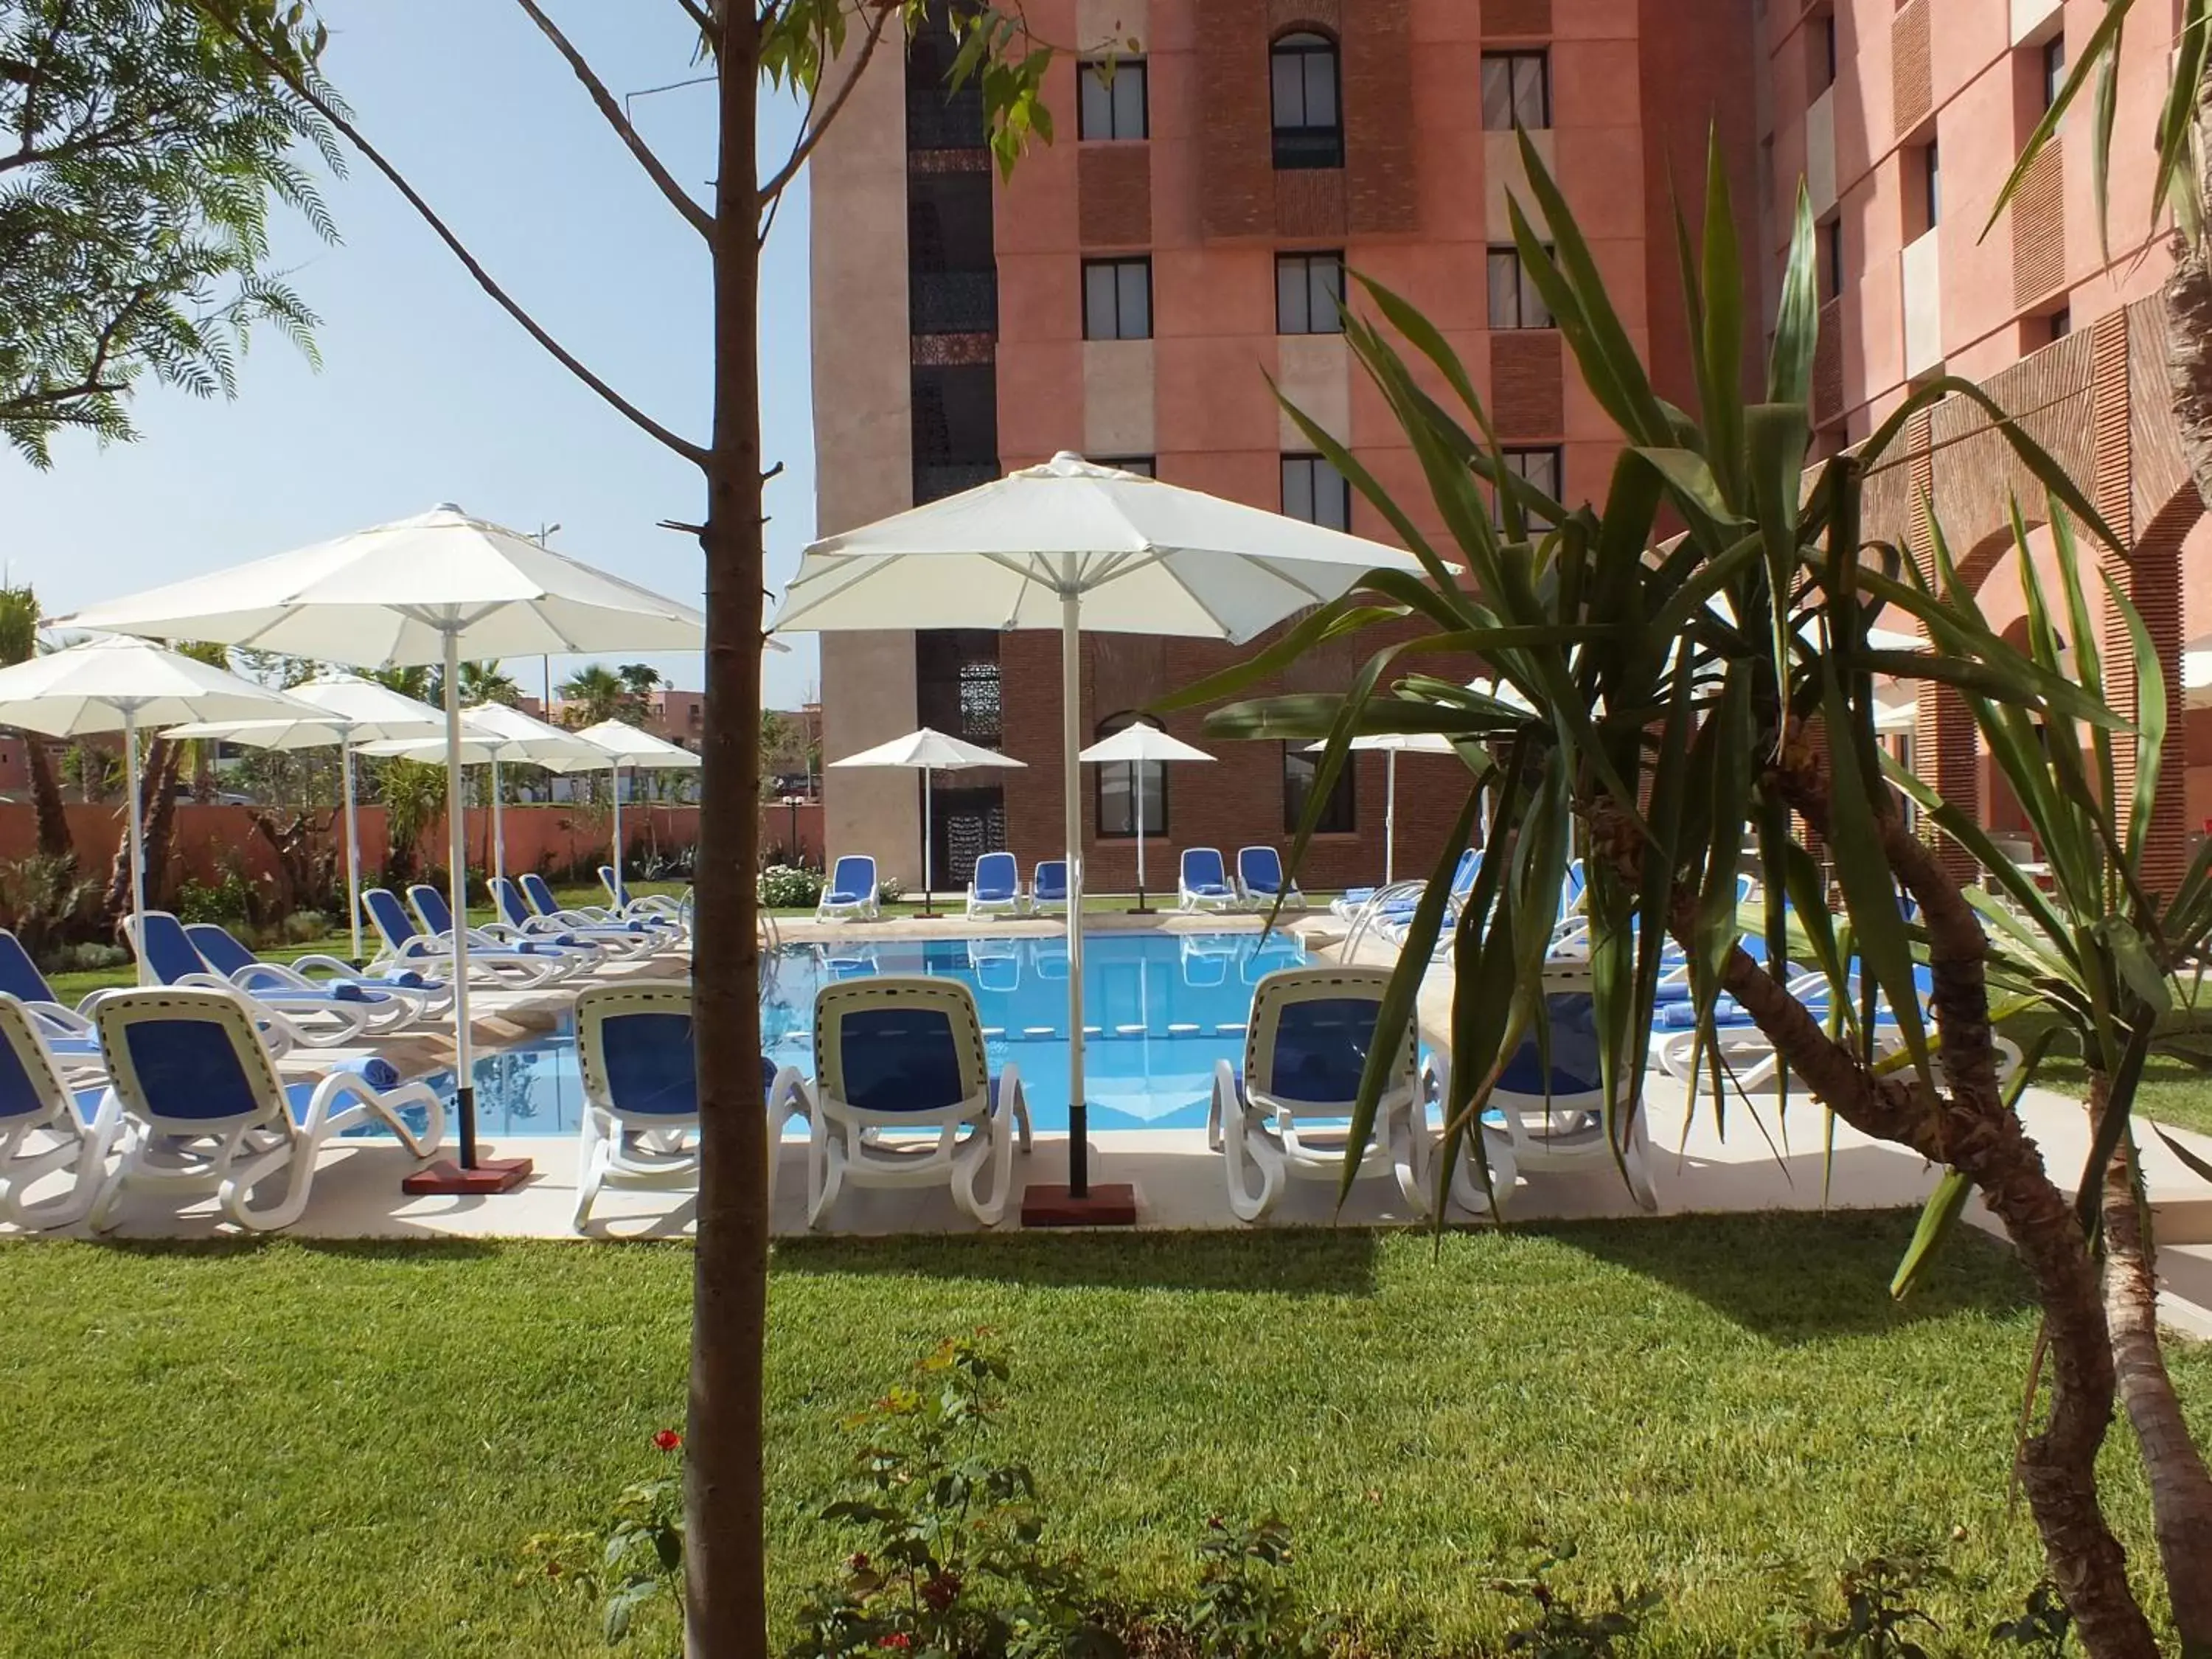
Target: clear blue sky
<point>429,392</point>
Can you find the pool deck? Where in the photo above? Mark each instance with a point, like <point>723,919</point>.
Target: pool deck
<point>1758,1165</point>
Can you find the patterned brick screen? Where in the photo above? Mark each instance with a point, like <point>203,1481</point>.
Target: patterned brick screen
<point>1236,142</point>
<point>1828,365</point>
<point>1113,195</point>
<point>1911,68</point>
<point>1527,391</point>
<point>1378,118</point>
<point>2039,229</point>
<point>1309,202</point>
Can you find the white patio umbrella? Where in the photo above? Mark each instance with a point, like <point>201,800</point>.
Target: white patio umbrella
<point>928,752</point>
<point>428,589</point>
<point>492,732</point>
<point>1393,744</point>
<point>623,746</point>
<point>1138,745</point>
<point>1072,546</point>
<point>355,711</point>
<point>121,684</point>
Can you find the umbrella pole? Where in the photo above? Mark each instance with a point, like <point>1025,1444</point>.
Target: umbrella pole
<point>498,833</point>
<point>353,847</point>
<point>1137,773</point>
<point>472,1175</point>
<point>928,849</point>
<point>1389,816</point>
<point>137,838</point>
<point>621,895</point>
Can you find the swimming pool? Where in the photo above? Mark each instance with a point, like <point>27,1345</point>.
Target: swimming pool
<point>1161,1008</point>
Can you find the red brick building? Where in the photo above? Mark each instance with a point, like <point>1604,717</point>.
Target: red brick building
<point>1130,293</point>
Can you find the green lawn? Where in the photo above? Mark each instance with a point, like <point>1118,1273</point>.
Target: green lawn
<point>2173,1091</point>
<point>294,1448</point>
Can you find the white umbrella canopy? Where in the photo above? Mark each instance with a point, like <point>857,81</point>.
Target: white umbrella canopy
<point>622,745</point>
<point>928,752</point>
<point>120,684</point>
<point>1073,546</point>
<point>355,710</point>
<point>428,589</point>
<point>1135,746</point>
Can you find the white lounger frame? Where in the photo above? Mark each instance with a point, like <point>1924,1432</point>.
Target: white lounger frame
<point>231,1155</point>
<point>51,1135</point>
<point>974,1135</point>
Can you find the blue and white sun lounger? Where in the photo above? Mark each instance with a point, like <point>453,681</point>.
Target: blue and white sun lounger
<point>653,906</point>
<point>312,1019</point>
<point>204,1109</point>
<point>48,1125</point>
<point>1553,1117</point>
<point>406,947</point>
<point>849,895</point>
<point>1287,1115</point>
<point>1204,884</point>
<point>1260,881</point>
<point>436,916</point>
<point>619,940</point>
<point>640,1085</point>
<point>904,1096</point>
<point>995,888</point>
<point>388,1003</point>
<point>1049,886</point>
<point>66,1029</point>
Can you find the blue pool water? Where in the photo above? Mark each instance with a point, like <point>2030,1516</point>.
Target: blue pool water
<point>1162,1009</point>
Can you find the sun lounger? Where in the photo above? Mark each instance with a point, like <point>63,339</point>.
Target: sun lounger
<point>68,1029</point>
<point>1049,886</point>
<point>391,1001</point>
<point>1260,883</point>
<point>312,1019</point>
<point>903,1096</point>
<point>49,1125</point>
<point>619,940</point>
<point>849,895</point>
<point>995,888</point>
<point>407,947</point>
<point>655,905</point>
<point>1203,884</point>
<point>204,1111</point>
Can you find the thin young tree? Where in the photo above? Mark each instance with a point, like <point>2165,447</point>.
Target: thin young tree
<point>815,50</point>
<point>19,643</point>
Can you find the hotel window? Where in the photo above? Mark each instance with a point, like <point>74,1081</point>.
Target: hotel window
<point>1516,90</point>
<point>1117,299</point>
<point>1928,182</point>
<point>1115,102</point>
<point>1316,491</point>
<point>1145,466</point>
<point>2062,322</point>
<point>1514,300</point>
<point>2054,67</point>
<point>1302,87</point>
<point>1825,60</point>
<point>1539,463</point>
<point>1309,289</point>
<point>1117,787</point>
<point>1339,814</point>
<point>1829,245</point>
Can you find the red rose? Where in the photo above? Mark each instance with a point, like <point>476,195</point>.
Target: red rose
<point>667,1440</point>
<point>857,1562</point>
<point>940,1591</point>
<point>897,1638</point>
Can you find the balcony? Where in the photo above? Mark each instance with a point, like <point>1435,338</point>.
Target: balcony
<point>934,480</point>
<point>1821,153</point>
<point>1922,279</point>
<point>935,120</point>
<point>952,302</point>
<point>1298,148</point>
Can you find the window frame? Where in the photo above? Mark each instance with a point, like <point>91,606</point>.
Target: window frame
<point>1305,144</point>
<point>1087,77</point>
<point>1340,817</point>
<point>1930,165</point>
<point>1513,59</point>
<point>2052,61</point>
<point>1316,463</point>
<point>1524,292</point>
<point>1306,257</point>
<point>1127,770</point>
<point>1117,263</point>
<point>1830,64</point>
<point>1145,466</point>
<point>1555,453</point>
<point>1829,236</point>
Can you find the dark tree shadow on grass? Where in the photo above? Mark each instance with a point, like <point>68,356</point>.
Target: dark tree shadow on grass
<point>1278,1262</point>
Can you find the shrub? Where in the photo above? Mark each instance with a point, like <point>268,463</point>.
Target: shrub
<point>46,903</point>
<point>790,887</point>
<point>227,899</point>
<point>303,926</point>
<point>86,957</point>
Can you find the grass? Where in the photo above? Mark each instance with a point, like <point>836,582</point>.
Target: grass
<point>292,1447</point>
<point>2173,1091</point>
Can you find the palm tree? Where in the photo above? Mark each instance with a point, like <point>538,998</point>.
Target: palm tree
<point>157,804</point>
<point>485,682</point>
<point>595,693</point>
<point>641,680</point>
<point>19,643</point>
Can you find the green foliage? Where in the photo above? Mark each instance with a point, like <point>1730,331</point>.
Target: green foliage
<point>1880,1609</point>
<point>228,898</point>
<point>1670,682</point>
<point>1561,1629</point>
<point>595,693</point>
<point>634,1563</point>
<point>413,794</point>
<point>790,887</point>
<point>1246,1607</point>
<point>2043,1625</point>
<point>140,151</point>
<point>47,902</point>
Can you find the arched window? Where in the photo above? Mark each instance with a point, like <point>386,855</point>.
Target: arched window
<point>1309,114</point>
<point>1118,787</point>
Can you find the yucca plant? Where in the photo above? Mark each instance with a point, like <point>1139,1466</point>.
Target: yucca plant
<point>1690,691</point>
<point>2116,963</point>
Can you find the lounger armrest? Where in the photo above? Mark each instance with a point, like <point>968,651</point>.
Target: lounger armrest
<point>1227,1097</point>
<point>346,1084</point>
<point>315,962</point>
<point>70,1021</point>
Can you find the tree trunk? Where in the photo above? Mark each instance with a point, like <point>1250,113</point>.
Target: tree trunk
<point>726,1592</point>
<point>54,841</point>
<point>2180,1486</point>
<point>2189,324</point>
<point>157,803</point>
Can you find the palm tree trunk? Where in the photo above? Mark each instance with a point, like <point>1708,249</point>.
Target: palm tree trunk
<point>725,1563</point>
<point>2180,1486</point>
<point>157,802</point>
<point>2189,323</point>
<point>54,842</point>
